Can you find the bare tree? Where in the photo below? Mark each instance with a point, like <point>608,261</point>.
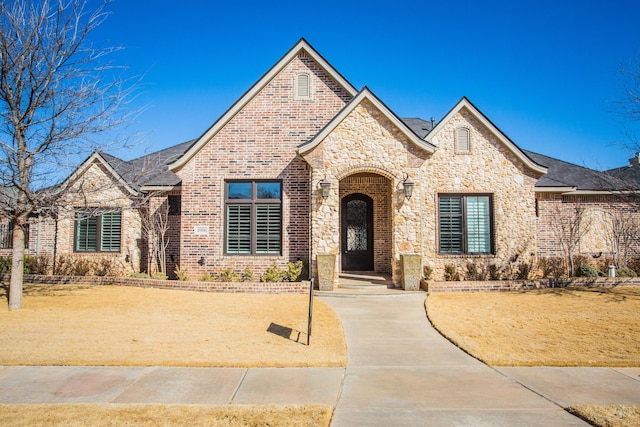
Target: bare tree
<point>58,93</point>
<point>570,224</point>
<point>155,226</point>
<point>623,228</point>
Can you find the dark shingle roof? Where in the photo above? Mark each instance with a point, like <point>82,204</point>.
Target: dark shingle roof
<point>628,173</point>
<point>564,174</point>
<point>150,169</point>
<point>418,126</point>
<point>154,166</point>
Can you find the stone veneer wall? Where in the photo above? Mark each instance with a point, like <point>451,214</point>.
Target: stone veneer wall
<point>99,190</point>
<point>367,142</point>
<point>95,189</point>
<point>258,143</point>
<point>379,189</point>
<point>488,168</point>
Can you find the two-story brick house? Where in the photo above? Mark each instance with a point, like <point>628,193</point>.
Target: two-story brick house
<point>305,164</point>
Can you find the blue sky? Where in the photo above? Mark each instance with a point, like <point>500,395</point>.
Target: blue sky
<point>547,73</point>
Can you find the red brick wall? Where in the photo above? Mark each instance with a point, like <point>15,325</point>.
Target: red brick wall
<point>548,206</point>
<point>257,143</point>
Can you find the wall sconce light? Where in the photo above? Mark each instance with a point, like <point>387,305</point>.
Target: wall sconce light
<point>201,260</point>
<point>325,186</point>
<point>408,185</point>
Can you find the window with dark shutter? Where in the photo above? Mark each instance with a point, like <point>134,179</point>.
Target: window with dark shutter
<point>451,225</point>
<point>98,232</point>
<point>253,217</point>
<point>86,233</point>
<point>239,229</point>
<point>110,234</point>
<point>465,224</point>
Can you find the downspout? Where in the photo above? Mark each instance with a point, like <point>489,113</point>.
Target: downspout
<point>310,222</point>
<point>55,243</point>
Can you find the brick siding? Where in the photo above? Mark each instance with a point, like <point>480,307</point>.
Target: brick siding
<point>259,142</point>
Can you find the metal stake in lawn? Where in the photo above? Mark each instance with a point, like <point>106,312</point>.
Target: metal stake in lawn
<point>310,312</point>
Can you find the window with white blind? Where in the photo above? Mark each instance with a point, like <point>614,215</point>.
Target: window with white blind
<point>302,86</point>
<point>463,140</point>
<point>253,223</point>
<point>98,232</point>
<point>465,224</point>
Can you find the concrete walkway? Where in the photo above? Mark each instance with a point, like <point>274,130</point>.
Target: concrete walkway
<point>400,372</point>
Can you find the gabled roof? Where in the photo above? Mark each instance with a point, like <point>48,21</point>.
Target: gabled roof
<point>149,170</point>
<point>465,103</point>
<point>112,166</point>
<point>365,94</point>
<point>302,45</point>
<point>154,166</point>
<point>569,178</point>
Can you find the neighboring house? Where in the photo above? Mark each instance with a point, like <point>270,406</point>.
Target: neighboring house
<point>305,164</point>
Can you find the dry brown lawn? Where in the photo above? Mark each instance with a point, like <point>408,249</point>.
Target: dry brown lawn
<point>164,415</point>
<point>551,327</point>
<point>608,416</point>
<point>128,326</point>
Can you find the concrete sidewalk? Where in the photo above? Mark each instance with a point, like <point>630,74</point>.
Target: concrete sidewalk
<point>400,372</point>
<point>169,385</point>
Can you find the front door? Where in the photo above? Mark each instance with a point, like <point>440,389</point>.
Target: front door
<point>357,233</point>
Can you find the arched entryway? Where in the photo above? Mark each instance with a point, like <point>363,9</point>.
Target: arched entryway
<point>357,233</point>
<point>366,230</point>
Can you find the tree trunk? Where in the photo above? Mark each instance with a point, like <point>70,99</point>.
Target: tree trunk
<point>17,267</point>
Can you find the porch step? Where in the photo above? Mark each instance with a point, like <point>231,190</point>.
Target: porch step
<point>365,281</point>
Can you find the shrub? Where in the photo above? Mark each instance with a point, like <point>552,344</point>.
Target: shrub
<point>140,275</point>
<point>39,264</point>
<point>273,274</point>
<point>68,265</point>
<point>26,264</point>
<point>207,277</point>
<point>247,274</point>
<point>5,265</point>
<point>523,271</point>
<point>634,264</point>
<point>427,271</point>
<point>181,274</point>
<point>626,272</point>
<point>475,272</point>
<point>552,267</point>
<point>159,275</point>
<point>228,275</point>
<point>294,271</point>
<point>451,273</point>
<point>586,270</point>
<point>103,267</point>
<point>494,272</point>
